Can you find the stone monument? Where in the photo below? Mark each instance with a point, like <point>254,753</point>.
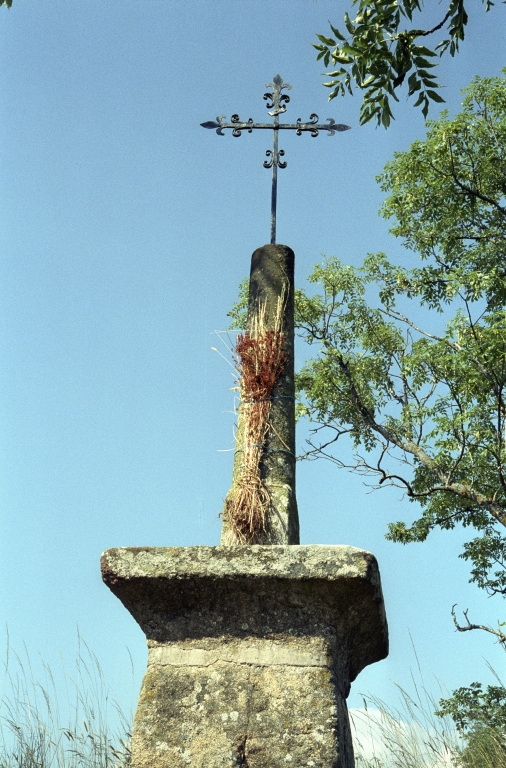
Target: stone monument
<point>253,644</point>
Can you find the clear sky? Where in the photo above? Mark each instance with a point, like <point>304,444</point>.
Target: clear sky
<point>126,229</point>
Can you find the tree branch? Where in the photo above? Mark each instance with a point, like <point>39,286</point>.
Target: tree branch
<point>497,632</point>
<point>435,29</point>
<point>490,505</point>
<point>469,190</point>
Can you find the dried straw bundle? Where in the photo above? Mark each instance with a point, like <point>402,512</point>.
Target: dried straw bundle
<point>260,361</point>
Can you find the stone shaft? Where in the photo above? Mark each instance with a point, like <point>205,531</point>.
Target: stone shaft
<point>272,280</point>
<point>252,650</point>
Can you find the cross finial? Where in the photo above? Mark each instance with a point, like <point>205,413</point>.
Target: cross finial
<point>276,105</point>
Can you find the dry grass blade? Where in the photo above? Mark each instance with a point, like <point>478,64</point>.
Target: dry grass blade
<point>34,733</point>
<point>411,736</point>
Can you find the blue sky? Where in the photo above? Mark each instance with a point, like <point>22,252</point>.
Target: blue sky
<point>126,229</point>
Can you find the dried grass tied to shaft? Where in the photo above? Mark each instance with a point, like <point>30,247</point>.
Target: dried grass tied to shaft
<point>260,361</point>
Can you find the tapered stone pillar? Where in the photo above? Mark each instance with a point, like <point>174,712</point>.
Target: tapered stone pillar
<point>271,285</point>
<point>252,650</point>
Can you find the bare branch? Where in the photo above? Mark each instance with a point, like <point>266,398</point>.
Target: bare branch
<point>497,632</point>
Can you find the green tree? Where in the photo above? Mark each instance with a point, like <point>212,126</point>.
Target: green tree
<point>382,46</point>
<point>473,705</point>
<point>480,716</point>
<point>424,400</point>
<point>484,748</point>
<point>410,364</point>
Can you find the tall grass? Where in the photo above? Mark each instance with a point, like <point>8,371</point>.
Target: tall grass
<point>485,748</point>
<point>38,730</point>
<point>412,736</point>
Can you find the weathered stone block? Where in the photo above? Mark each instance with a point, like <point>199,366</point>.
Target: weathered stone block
<point>252,650</point>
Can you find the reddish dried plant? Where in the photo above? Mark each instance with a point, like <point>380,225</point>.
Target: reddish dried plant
<point>260,360</point>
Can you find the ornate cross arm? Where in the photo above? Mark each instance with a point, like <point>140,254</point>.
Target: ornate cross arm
<point>276,105</point>
<point>312,125</point>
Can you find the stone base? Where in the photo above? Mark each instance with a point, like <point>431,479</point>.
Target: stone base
<point>251,651</point>
<point>240,714</point>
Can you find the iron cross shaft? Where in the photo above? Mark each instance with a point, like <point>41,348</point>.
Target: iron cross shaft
<point>276,104</point>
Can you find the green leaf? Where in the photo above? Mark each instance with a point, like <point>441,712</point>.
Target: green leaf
<point>341,58</point>
<point>326,40</point>
<point>431,393</point>
<point>421,63</point>
<point>350,50</point>
<point>385,118</point>
<point>377,44</point>
<point>435,96</point>
<point>421,50</point>
<point>367,115</point>
<point>349,26</point>
<point>412,80</point>
<point>442,46</point>
<point>337,33</point>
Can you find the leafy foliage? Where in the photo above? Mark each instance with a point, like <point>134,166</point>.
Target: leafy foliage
<point>411,363</point>
<point>424,401</point>
<point>377,53</point>
<point>480,715</point>
<point>239,311</point>
<point>485,748</point>
<point>471,706</point>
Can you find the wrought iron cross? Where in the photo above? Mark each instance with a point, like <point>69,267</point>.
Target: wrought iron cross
<point>276,105</point>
